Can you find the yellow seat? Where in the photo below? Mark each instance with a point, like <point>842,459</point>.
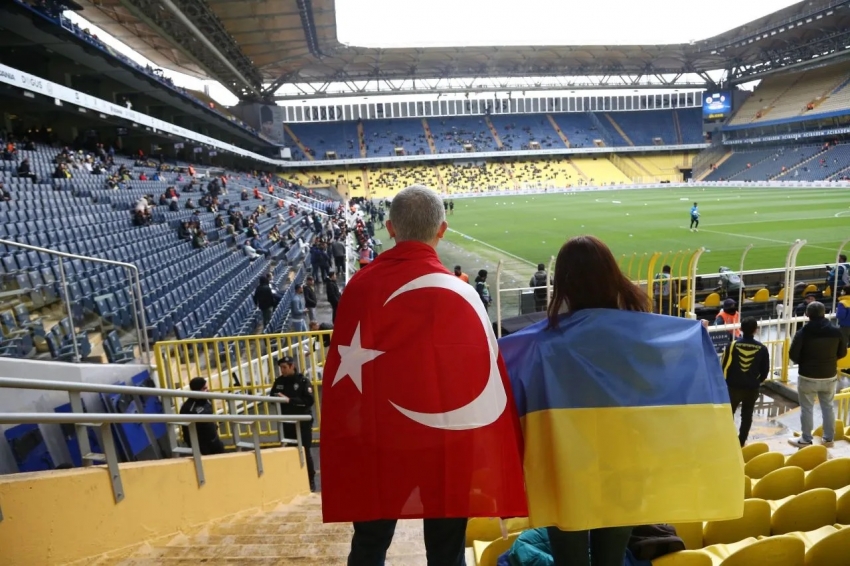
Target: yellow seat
<point>754,523</point>
<point>781,294</point>
<point>826,546</point>
<point>763,464</point>
<point>761,296</point>
<point>833,474</point>
<point>750,451</point>
<point>712,300</point>
<point>807,511</point>
<point>487,552</point>
<point>690,533</point>
<point>842,505</point>
<point>808,458</point>
<point>827,292</point>
<point>780,483</point>
<point>810,289</point>
<point>839,424</point>
<point>772,551</point>
<point>486,529</point>
<point>748,487</point>
<point>684,558</point>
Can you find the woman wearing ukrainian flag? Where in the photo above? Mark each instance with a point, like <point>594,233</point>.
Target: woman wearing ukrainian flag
<point>625,414</point>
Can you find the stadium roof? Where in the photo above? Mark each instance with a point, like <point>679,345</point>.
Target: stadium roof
<point>254,47</point>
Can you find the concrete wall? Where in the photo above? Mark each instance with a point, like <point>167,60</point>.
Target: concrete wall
<point>35,401</point>
<point>56,517</point>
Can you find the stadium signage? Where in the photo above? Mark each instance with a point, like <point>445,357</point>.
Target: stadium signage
<point>792,136</point>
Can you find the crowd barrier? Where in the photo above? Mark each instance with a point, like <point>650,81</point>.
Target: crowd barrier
<point>243,365</point>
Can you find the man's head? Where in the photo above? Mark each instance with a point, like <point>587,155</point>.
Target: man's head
<point>198,384</point>
<point>299,289</point>
<point>730,305</point>
<point>309,281</point>
<point>749,326</point>
<point>842,258</point>
<point>666,269</point>
<point>482,274</point>
<point>417,215</point>
<point>695,204</point>
<point>815,310</point>
<point>541,267</point>
<point>810,298</point>
<point>332,275</point>
<point>458,270</point>
<point>286,365</point>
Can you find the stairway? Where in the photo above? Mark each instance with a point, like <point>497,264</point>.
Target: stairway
<point>442,181</point>
<point>618,129</point>
<point>361,139</point>
<point>640,166</point>
<point>678,127</point>
<point>366,192</point>
<point>578,170</point>
<point>717,163</point>
<point>291,534</point>
<point>558,130</point>
<point>428,136</point>
<point>493,131</point>
<point>797,166</point>
<point>297,142</point>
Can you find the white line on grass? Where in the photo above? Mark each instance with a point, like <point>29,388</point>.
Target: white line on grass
<point>501,251</point>
<point>744,237</point>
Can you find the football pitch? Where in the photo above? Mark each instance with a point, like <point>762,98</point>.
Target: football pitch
<point>533,227</point>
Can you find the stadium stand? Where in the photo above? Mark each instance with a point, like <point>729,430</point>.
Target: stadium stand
<point>384,136</point>
<point>461,134</point>
<point>329,140</point>
<point>187,292</point>
<point>785,163</point>
<point>790,95</point>
<point>519,131</point>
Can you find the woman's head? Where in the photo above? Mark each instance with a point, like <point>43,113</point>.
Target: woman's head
<point>587,277</point>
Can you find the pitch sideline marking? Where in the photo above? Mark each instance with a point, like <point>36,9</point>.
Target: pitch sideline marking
<point>742,236</point>
<point>501,251</point>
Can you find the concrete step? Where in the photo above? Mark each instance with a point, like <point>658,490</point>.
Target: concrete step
<point>288,561</point>
<point>278,528</point>
<point>278,550</point>
<point>285,538</point>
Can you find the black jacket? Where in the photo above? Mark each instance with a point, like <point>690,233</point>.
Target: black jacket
<point>333,292</point>
<point>310,300</point>
<point>300,392</point>
<point>816,348</point>
<point>207,432</point>
<point>264,298</point>
<point>746,363</point>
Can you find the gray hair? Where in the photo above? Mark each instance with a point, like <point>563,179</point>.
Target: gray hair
<point>815,309</point>
<point>417,213</point>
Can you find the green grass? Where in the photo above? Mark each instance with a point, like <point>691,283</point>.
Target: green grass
<point>533,227</point>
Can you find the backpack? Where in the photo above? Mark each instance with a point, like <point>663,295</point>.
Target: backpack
<point>540,279</point>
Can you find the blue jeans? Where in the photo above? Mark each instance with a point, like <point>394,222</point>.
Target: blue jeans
<point>824,390</point>
<point>297,325</point>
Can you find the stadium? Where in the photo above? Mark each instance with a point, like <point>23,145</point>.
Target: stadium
<point>167,162</point>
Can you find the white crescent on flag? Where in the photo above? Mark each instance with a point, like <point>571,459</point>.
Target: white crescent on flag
<point>485,409</point>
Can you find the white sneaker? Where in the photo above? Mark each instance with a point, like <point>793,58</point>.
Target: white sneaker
<point>798,442</point>
<point>828,443</point>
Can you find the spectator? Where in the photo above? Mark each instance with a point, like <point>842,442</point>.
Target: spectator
<point>729,315</point>
<point>450,477</point>
<point>816,349</point>
<point>208,440</point>
<point>173,206</point>
<point>333,294</point>
<point>265,300</point>
<point>183,231</point>
<point>219,221</point>
<point>460,274</point>
<point>338,251</point>
<point>840,272</point>
<point>310,301</point>
<point>661,291</point>
<point>730,282</point>
<point>4,195</point>
<point>482,288</point>
<point>540,282</point>
<point>842,314</point>
<point>25,171</point>
<point>297,393</point>
<point>250,251</point>
<point>800,309</point>
<point>190,205</point>
<point>298,310</point>
<point>746,364</point>
<point>199,240</point>
<point>316,326</point>
<point>320,261</point>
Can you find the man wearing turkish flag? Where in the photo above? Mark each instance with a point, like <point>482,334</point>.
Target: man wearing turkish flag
<point>418,419</point>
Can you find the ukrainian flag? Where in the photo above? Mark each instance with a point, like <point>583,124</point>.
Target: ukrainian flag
<point>626,421</point>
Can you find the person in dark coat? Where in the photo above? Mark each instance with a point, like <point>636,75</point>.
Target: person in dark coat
<point>297,391</point>
<point>208,439</point>
<point>264,299</point>
<point>333,294</point>
<point>310,300</point>
<point>816,348</point>
<point>746,364</point>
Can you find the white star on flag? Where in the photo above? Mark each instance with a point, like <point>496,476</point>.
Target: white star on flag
<point>351,360</point>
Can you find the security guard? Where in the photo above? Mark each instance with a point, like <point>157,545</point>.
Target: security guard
<point>208,440</point>
<point>297,392</point>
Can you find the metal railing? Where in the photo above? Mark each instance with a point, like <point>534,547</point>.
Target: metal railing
<point>135,284</point>
<point>241,364</point>
<point>82,420</point>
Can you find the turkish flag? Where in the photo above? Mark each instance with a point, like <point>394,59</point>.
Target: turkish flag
<point>418,419</point>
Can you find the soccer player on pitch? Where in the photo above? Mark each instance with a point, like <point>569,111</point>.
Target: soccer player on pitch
<point>694,218</point>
